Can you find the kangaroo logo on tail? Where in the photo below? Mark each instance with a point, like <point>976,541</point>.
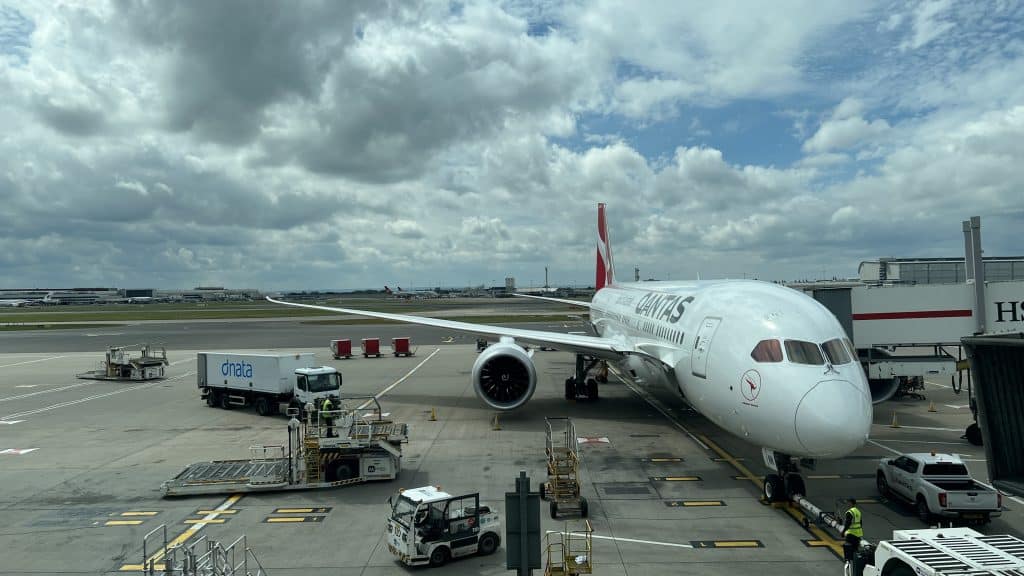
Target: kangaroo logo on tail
<point>605,267</point>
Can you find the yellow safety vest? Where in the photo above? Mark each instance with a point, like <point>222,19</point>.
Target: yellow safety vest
<point>855,528</point>
<point>327,406</point>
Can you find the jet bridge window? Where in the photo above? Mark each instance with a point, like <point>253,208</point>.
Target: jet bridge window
<point>836,352</point>
<point>767,351</point>
<point>801,352</point>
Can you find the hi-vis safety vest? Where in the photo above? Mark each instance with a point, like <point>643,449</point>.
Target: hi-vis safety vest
<point>855,527</point>
<point>327,406</point>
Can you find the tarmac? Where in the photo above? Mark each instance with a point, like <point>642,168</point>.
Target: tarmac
<point>81,462</point>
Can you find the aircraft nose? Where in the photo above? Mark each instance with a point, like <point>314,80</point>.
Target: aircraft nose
<point>833,418</point>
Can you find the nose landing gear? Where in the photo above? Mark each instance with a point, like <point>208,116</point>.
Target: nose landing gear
<point>786,482</point>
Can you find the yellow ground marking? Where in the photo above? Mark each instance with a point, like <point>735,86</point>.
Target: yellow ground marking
<point>122,522</point>
<point>703,503</point>
<point>293,510</point>
<point>138,513</point>
<point>665,459</point>
<point>285,519</point>
<point>184,536</point>
<point>205,521</point>
<point>738,544</point>
<point>831,543</point>
<point>204,512</point>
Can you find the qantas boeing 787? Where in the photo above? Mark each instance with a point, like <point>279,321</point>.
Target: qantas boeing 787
<point>764,362</point>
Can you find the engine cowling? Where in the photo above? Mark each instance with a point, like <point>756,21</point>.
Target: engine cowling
<point>504,376</point>
<point>883,389</point>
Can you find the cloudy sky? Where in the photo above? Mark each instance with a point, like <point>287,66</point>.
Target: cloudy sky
<point>352,144</point>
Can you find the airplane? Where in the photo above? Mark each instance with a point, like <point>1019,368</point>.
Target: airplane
<point>407,294</point>
<point>19,302</point>
<point>764,362</point>
<point>14,302</point>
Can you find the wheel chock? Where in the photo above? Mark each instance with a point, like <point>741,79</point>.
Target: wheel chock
<point>931,407</point>
<point>433,415</point>
<point>895,423</point>
<point>496,425</point>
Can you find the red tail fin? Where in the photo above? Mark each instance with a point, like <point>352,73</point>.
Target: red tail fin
<point>605,267</point>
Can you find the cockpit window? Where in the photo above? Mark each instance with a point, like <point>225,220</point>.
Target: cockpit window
<point>767,351</point>
<point>836,352</point>
<point>801,352</point>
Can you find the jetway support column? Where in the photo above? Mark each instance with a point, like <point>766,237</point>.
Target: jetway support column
<point>975,268</point>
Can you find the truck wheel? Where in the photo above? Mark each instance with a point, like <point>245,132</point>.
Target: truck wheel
<point>488,544</point>
<point>211,398</point>
<point>225,401</point>
<point>973,434</point>
<point>883,486</point>
<point>262,406</point>
<point>923,513</point>
<point>342,471</point>
<point>439,557</point>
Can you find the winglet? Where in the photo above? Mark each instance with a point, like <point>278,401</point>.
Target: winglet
<point>605,267</point>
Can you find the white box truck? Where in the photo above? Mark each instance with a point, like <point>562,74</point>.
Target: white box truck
<point>267,381</point>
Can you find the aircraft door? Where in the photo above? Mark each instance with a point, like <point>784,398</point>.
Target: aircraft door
<point>702,346</point>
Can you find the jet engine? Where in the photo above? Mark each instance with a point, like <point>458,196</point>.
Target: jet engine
<point>883,389</point>
<point>504,376</point>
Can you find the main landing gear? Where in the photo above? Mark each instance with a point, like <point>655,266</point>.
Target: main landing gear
<point>579,385</point>
<point>786,482</point>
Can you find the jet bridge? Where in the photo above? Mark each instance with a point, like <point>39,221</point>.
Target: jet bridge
<point>998,366</point>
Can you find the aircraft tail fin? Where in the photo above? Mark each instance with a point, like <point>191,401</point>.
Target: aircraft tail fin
<point>386,289</point>
<point>605,267</point>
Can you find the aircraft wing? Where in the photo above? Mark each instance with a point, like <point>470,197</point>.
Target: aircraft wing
<point>559,300</point>
<point>596,346</point>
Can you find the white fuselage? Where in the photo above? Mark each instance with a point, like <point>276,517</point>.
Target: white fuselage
<point>706,332</point>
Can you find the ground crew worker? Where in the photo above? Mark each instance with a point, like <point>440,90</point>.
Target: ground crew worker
<point>852,532</point>
<point>325,412</point>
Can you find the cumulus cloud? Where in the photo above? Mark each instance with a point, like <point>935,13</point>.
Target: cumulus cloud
<point>350,144</point>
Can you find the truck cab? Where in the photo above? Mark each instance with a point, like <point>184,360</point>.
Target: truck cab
<point>429,526</point>
<point>316,384</point>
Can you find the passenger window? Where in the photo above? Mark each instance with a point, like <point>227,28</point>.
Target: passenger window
<point>836,352</point>
<point>800,352</point>
<point>767,351</point>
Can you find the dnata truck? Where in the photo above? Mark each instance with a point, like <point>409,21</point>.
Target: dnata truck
<point>266,381</point>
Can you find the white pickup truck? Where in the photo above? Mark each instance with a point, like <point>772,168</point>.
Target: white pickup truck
<point>939,486</point>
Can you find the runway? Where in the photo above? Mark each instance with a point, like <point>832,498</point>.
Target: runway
<point>81,462</point>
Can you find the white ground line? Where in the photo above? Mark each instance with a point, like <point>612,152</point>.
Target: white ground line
<point>31,361</point>
<point>95,397</point>
<point>924,442</point>
<point>69,386</point>
<point>399,381</point>
<point>617,539</point>
<point>654,402</point>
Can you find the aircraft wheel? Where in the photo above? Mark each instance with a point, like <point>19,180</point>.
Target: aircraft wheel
<point>592,389</point>
<point>773,488</point>
<point>570,389</point>
<point>584,508</point>
<point>543,490</point>
<point>553,508</point>
<point>795,485</point>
